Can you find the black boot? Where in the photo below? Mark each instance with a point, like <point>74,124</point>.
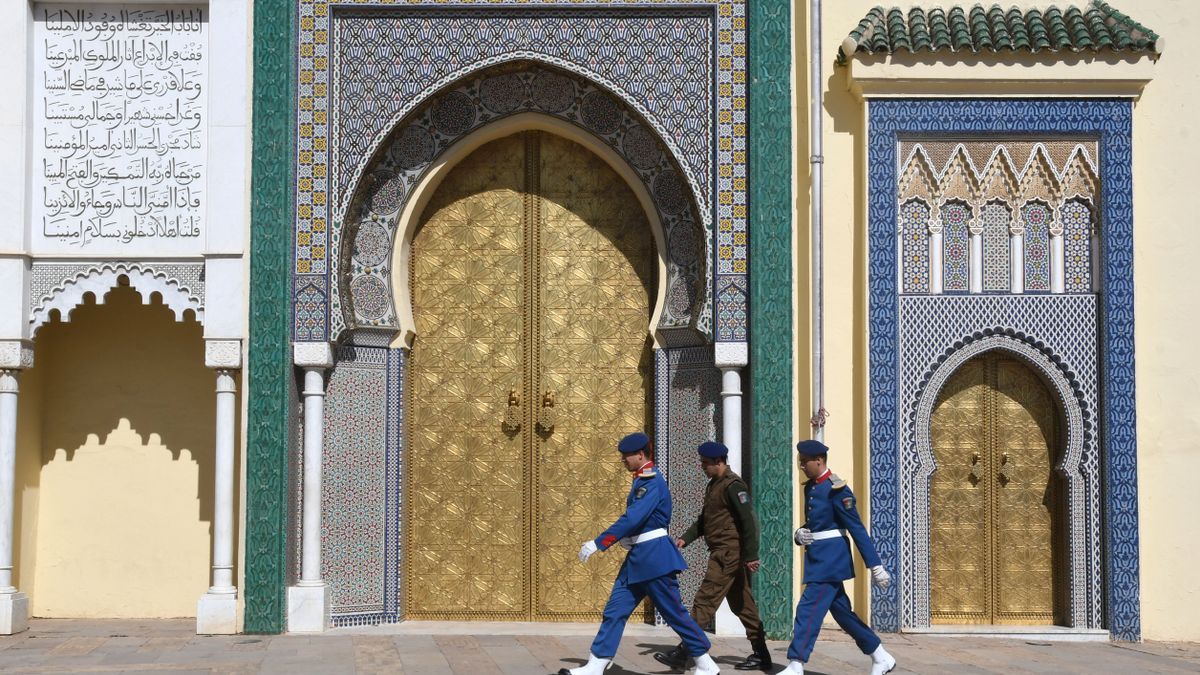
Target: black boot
<point>760,659</point>
<point>676,658</point>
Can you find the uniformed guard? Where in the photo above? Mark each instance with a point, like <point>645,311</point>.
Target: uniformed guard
<point>730,530</point>
<point>650,568</point>
<point>830,514</point>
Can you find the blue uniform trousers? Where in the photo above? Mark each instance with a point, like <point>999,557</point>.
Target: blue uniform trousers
<point>818,598</point>
<point>664,593</point>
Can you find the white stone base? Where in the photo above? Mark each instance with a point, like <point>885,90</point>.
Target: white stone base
<point>14,613</point>
<point>216,614</point>
<point>308,609</point>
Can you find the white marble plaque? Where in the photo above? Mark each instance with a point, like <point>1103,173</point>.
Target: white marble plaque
<point>120,129</point>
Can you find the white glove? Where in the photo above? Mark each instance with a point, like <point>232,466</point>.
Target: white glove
<point>880,576</point>
<point>586,551</point>
<point>803,537</point>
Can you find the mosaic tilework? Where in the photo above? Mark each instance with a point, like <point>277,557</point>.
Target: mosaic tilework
<point>996,250</point>
<point>914,246</point>
<point>956,254</point>
<point>354,471</point>
<point>1076,218</point>
<point>1110,122</point>
<point>360,543</point>
<point>688,413</point>
<point>1056,335</point>
<point>644,52</point>
<point>417,143</point>
<point>310,304</point>
<point>1035,217</point>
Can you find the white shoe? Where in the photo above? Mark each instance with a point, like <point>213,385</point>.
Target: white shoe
<point>594,666</point>
<point>881,661</point>
<point>795,667</point>
<point>705,666</point>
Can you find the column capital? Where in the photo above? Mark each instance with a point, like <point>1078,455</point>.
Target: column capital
<point>16,354</point>
<point>731,354</point>
<point>312,354</point>
<point>223,354</point>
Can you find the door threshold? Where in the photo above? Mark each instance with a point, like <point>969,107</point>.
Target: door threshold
<point>1046,633</point>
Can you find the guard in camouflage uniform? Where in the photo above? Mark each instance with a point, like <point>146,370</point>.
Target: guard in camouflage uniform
<point>730,530</point>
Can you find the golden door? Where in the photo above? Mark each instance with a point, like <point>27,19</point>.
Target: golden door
<point>995,503</point>
<point>532,275</point>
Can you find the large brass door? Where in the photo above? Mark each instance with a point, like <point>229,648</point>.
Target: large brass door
<point>995,503</point>
<point>532,275</point>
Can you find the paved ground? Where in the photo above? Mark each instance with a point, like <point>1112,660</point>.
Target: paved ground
<point>86,646</point>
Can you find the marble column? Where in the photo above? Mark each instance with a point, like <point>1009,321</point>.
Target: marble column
<point>15,355</point>
<point>308,600</point>
<point>216,612</point>
<point>731,358</point>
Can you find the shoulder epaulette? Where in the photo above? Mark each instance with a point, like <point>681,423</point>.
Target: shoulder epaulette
<point>836,483</point>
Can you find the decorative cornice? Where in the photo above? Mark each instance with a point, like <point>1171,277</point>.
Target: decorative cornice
<point>16,354</point>
<point>312,354</point>
<point>223,354</point>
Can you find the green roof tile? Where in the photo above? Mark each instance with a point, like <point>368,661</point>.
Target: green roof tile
<point>1094,27</point>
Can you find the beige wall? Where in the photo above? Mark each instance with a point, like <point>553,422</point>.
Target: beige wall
<point>1167,244</point>
<point>117,483</point>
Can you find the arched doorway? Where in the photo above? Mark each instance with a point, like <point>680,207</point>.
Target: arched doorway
<point>532,278</point>
<point>996,504</point>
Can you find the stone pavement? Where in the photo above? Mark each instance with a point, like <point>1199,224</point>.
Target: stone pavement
<point>430,648</point>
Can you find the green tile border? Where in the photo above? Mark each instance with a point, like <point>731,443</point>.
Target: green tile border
<point>268,359</point>
<point>771,250</point>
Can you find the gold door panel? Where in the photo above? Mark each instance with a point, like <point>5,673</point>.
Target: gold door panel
<point>994,501</point>
<point>596,266</point>
<point>467,485</point>
<point>531,275</point>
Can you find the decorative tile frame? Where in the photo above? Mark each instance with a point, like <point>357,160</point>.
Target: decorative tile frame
<point>1110,122</point>
<point>367,228</point>
<point>598,41</point>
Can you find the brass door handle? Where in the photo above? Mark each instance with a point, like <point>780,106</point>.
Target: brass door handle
<point>547,416</point>
<point>1004,477</point>
<point>974,477</point>
<point>512,414</point>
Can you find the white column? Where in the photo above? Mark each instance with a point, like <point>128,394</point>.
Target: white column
<point>935,260</point>
<point>308,600</point>
<point>976,265</point>
<point>731,358</point>
<point>14,605</point>
<point>216,612</point>
<point>1016,265</point>
<point>1057,261</point>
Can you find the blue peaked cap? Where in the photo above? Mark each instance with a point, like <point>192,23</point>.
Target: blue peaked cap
<point>812,448</point>
<point>713,450</point>
<point>634,442</point>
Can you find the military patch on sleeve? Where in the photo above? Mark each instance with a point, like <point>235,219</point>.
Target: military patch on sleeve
<point>743,497</point>
<point>640,492</point>
<point>848,502</point>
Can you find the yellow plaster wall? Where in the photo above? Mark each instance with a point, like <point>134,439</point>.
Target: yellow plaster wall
<point>125,475</point>
<point>1166,146</point>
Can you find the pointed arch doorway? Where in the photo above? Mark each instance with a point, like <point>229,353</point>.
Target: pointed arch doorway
<point>997,506</point>
<point>533,274</point>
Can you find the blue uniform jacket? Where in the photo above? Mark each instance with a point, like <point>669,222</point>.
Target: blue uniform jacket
<point>647,507</point>
<point>829,505</point>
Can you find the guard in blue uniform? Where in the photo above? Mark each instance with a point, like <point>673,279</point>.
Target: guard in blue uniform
<point>831,520</point>
<point>649,569</point>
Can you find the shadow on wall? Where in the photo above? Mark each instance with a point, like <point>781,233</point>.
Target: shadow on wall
<point>117,506</point>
